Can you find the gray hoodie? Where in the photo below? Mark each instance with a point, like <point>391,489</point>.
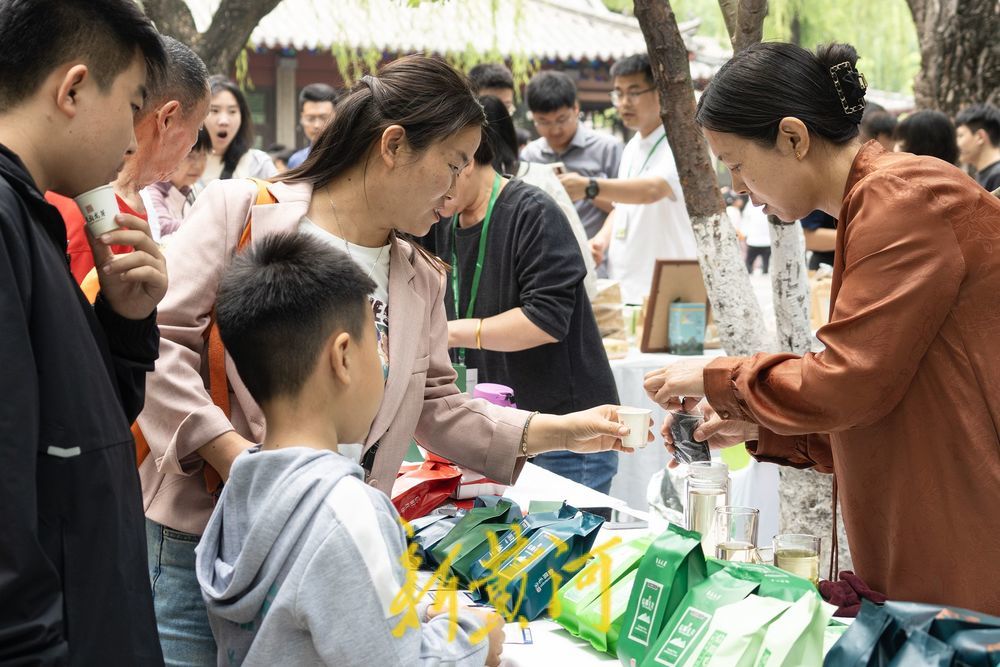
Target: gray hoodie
<point>301,563</point>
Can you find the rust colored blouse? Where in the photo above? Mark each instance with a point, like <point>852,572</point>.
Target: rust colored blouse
<point>904,402</point>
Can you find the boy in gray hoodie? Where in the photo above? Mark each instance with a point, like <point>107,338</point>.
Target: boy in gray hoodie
<point>302,563</point>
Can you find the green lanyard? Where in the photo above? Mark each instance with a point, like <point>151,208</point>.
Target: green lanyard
<point>455,283</point>
<point>648,157</point>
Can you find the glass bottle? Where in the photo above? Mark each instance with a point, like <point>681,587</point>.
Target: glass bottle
<point>707,487</point>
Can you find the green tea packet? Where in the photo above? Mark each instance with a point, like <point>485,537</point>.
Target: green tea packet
<point>775,582</point>
<point>429,534</point>
<point>831,635</point>
<point>798,637</point>
<point>515,540</point>
<point>689,623</point>
<point>590,583</point>
<point>489,509</point>
<point>673,563</point>
<point>735,635</point>
<point>523,586</point>
<point>603,632</point>
<point>473,546</point>
<point>924,650</point>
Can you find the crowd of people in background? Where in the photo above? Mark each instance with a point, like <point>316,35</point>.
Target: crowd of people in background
<point>418,232</point>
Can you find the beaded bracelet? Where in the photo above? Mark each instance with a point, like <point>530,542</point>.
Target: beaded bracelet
<point>524,433</point>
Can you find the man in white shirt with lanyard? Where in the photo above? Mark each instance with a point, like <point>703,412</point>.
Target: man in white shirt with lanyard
<point>650,220</point>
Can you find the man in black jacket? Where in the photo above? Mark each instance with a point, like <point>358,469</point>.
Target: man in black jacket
<point>74,588</point>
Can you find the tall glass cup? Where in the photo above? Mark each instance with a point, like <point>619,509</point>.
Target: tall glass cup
<point>736,533</point>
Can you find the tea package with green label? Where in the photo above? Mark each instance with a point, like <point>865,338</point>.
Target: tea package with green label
<point>673,563</point>
<point>515,540</point>
<point>590,583</point>
<point>473,546</point>
<point>489,509</point>
<point>689,623</point>
<point>427,534</point>
<point>798,636</point>
<point>735,635</point>
<point>775,582</point>
<point>602,629</point>
<point>523,585</point>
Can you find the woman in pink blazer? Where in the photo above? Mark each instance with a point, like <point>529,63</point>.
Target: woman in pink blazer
<point>385,165</point>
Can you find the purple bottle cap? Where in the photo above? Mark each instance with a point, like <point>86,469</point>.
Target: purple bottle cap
<point>497,394</point>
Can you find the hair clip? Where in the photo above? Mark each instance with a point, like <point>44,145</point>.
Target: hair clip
<point>844,74</point>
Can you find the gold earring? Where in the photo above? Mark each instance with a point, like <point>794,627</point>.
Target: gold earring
<point>798,155</point>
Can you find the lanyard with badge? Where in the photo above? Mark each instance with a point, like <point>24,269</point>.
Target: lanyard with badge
<point>623,227</point>
<point>460,367</point>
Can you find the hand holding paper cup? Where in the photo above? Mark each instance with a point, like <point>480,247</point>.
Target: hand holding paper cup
<point>638,421</point>
<point>99,208</point>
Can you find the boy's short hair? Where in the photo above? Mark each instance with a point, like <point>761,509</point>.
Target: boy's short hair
<point>490,75</point>
<point>279,301</point>
<point>981,117</point>
<point>635,64</point>
<point>550,91</point>
<point>37,36</point>
<point>318,92</point>
<point>185,78</point>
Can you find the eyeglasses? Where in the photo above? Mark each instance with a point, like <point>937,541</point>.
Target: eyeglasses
<point>631,96</point>
<point>558,122</point>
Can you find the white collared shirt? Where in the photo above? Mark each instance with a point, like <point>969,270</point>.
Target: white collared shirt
<point>643,233</point>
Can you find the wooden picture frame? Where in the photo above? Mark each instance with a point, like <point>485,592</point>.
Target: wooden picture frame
<point>673,279</point>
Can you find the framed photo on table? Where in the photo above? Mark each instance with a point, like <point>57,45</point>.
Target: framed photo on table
<point>673,280</point>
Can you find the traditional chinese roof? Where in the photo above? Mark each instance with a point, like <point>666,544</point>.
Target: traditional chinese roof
<point>569,30</point>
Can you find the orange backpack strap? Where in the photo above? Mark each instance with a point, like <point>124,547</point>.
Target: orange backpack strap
<point>218,383</point>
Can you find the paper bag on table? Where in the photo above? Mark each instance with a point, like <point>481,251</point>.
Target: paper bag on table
<point>735,635</point>
<point>513,541</point>
<point>600,628</point>
<point>422,487</point>
<point>595,580</point>
<point>522,587</point>
<point>798,636</point>
<point>672,564</point>
<point>489,509</point>
<point>683,633</point>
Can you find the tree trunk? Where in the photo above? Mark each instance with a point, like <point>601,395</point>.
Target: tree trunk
<point>172,17</point>
<point>735,308</point>
<point>790,285</point>
<point>226,37</point>
<point>749,24</point>
<point>959,57</point>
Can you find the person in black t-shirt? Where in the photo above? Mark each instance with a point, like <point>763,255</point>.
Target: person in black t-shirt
<point>820,230</point>
<point>978,136</point>
<point>526,322</point>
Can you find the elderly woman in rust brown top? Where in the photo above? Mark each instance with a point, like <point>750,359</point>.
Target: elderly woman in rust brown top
<point>903,404</point>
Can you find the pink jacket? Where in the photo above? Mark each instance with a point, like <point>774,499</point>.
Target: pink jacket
<point>421,399</point>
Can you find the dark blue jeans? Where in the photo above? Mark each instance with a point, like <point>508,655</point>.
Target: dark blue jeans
<point>185,634</point>
<point>593,470</point>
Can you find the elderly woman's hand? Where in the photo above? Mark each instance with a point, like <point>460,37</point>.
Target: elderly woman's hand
<point>681,378</point>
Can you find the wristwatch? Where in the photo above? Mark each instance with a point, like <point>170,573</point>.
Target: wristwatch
<point>592,189</point>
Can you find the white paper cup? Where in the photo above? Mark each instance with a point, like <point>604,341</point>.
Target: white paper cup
<point>99,208</point>
<point>638,421</point>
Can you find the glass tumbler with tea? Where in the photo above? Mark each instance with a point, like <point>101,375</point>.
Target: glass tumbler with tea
<point>798,554</point>
<point>707,488</point>
<point>736,533</point>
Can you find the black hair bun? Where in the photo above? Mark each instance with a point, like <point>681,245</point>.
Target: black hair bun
<point>834,54</point>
